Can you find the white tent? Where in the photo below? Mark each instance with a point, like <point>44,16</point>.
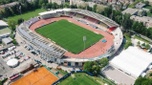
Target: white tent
<point>132,61</point>
<point>12,62</point>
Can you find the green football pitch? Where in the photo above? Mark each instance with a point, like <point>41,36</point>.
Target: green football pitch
<point>79,79</point>
<point>69,35</point>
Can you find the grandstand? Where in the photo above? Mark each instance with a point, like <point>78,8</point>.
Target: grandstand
<point>50,51</point>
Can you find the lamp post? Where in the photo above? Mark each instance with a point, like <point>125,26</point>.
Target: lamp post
<point>84,40</point>
<point>20,9</point>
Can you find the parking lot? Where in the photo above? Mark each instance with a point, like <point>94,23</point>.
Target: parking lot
<point>25,56</point>
<point>24,59</point>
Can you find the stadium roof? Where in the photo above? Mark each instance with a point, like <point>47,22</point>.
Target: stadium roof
<point>54,11</point>
<point>2,23</point>
<point>47,12</point>
<point>133,61</point>
<point>97,16</point>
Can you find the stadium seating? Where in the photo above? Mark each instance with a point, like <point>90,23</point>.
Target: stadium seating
<point>31,21</point>
<point>50,51</point>
<point>41,44</point>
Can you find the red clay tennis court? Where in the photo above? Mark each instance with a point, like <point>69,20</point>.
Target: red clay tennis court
<point>40,77</point>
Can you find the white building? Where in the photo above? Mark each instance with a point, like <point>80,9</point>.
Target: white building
<point>132,61</point>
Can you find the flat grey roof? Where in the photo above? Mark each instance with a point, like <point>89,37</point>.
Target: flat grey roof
<point>2,23</point>
<point>130,11</point>
<point>7,40</point>
<point>9,4</point>
<point>4,31</point>
<point>117,76</point>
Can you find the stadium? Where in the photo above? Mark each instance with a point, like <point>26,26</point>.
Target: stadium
<point>71,36</point>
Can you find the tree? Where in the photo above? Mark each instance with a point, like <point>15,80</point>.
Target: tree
<point>66,5</point>
<point>15,42</point>
<point>138,43</point>
<point>20,21</point>
<point>147,46</point>
<point>103,62</point>
<point>55,5</point>
<point>7,12</point>
<point>126,22</point>
<point>100,8</point>
<point>144,13</point>
<point>95,7</point>
<point>127,44</point>
<point>40,3</point>
<point>107,11</point>
<point>86,0</point>
<point>92,67</point>
<point>73,6</point>
<point>150,9</point>
<point>87,66</point>
<point>146,3</point>
<point>89,8</point>
<point>143,45</point>
<point>43,6</point>
<point>3,81</point>
<point>143,81</point>
<point>12,24</point>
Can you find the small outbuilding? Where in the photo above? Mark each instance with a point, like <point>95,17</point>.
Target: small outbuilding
<point>7,41</point>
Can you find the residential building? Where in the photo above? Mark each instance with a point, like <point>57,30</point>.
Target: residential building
<point>130,11</point>
<point>59,2</point>
<point>147,21</point>
<point>140,5</point>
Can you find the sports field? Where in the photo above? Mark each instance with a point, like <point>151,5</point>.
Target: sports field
<point>26,15</point>
<point>79,79</point>
<point>40,77</point>
<point>69,35</point>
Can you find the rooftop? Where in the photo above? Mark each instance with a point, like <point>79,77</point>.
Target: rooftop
<point>130,11</point>
<point>133,61</point>
<point>4,31</point>
<point>9,4</point>
<point>2,23</point>
<point>145,19</point>
<point>140,5</point>
<point>7,40</point>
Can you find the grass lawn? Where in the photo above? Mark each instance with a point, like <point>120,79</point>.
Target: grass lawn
<point>142,39</point>
<point>128,41</point>
<point>69,36</point>
<point>62,72</point>
<point>79,79</point>
<point>149,14</point>
<point>26,15</point>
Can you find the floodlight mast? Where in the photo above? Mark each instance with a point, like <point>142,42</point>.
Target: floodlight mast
<point>84,40</point>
